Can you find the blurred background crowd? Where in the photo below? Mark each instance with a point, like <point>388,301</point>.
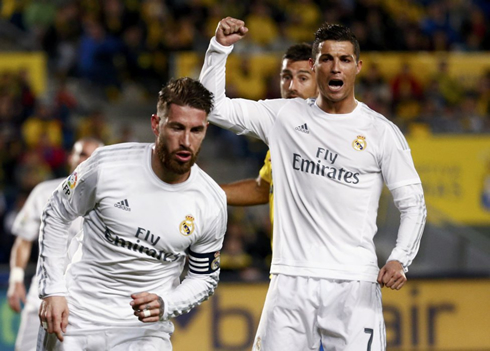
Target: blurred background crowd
<point>104,53</point>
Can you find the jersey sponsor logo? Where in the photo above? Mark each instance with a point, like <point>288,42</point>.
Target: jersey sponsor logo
<point>359,143</point>
<point>303,128</point>
<point>123,205</point>
<point>187,226</point>
<point>319,168</point>
<point>70,183</point>
<point>140,248</point>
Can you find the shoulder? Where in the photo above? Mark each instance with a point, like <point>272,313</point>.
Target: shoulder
<point>120,153</point>
<point>386,129</point>
<point>209,187</point>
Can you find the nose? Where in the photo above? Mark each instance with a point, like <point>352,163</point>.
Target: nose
<point>336,66</point>
<point>292,84</point>
<point>185,138</point>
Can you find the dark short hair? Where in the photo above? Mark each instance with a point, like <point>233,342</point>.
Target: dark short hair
<point>298,52</point>
<point>336,32</point>
<point>185,92</point>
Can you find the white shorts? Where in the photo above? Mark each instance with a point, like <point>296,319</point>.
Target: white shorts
<point>113,339</point>
<point>29,323</point>
<point>301,312</point>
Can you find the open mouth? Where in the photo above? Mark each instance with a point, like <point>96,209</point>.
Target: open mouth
<point>335,84</point>
<point>183,156</point>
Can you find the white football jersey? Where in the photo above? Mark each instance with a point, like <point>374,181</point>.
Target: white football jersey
<point>28,220</point>
<point>137,232</point>
<point>328,173</point>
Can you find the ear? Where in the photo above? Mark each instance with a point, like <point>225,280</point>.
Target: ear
<point>155,122</point>
<point>312,64</point>
<point>359,66</point>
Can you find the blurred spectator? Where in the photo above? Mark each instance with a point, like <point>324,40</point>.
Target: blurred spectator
<point>262,27</point>
<point>95,125</point>
<point>96,55</point>
<point>303,18</point>
<point>405,84</point>
<point>43,135</point>
<point>473,121</point>
<point>475,30</point>
<point>372,83</point>
<point>449,87</point>
<point>407,91</point>
<point>61,39</point>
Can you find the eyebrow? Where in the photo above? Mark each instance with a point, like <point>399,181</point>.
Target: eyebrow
<point>352,56</point>
<point>181,125</point>
<point>300,71</point>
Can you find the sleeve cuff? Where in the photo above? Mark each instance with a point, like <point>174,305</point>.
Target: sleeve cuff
<point>221,48</point>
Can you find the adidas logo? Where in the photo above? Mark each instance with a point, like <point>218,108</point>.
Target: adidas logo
<point>123,205</point>
<point>303,128</point>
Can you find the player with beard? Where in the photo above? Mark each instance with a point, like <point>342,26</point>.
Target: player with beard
<point>146,208</point>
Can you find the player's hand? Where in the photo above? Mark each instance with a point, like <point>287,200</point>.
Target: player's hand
<point>16,294</point>
<point>147,307</point>
<point>230,30</point>
<point>53,315</point>
<point>392,275</point>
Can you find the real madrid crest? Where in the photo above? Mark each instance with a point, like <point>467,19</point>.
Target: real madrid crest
<point>216,262</point>
<point>187,226</point>
<point>359,143</point>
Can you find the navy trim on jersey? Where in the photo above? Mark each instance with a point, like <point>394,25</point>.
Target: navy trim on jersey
<point>204,263</point>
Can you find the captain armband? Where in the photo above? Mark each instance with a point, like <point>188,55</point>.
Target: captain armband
<point>204,263</point>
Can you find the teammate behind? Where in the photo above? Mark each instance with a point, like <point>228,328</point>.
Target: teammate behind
<point>297,80</point>
<point>331,158</point>
<point>26,228</point>
<point>146,207</point>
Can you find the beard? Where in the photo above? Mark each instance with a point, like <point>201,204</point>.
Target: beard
<point>170,162</point>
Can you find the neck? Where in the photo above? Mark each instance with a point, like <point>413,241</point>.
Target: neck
<point>164,173</point>
<point>337,107</point>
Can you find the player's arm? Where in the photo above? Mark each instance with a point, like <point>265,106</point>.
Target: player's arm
<point>241,116</point>
<point>247,192</point>
<point>74,197</point>
<point>26,229</point>
<point>19,257</point>
<point>409,200</point>
<point>200,281</point>
<point>198,285</point>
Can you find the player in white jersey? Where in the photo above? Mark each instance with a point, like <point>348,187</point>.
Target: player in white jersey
<point>297,80</point>
<point>26,228</point>
<point>146,207</point>
<point>331,159</point>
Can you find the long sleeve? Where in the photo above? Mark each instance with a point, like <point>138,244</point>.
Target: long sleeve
<point>193,290</point>
<point>74,197</point>
<point>409,200</point>
<point>204,268</point>
<point>241,116</point>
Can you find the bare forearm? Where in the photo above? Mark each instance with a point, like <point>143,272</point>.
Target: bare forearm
<point>246,192</point>
<point>21,251</point>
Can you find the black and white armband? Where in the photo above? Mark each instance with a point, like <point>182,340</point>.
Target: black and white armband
<point>204,263</point>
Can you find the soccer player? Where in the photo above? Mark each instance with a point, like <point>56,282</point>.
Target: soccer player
<point>297,81</point>
<point>330,158</point>
<point>146,207</point>
<point>26,228</point>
